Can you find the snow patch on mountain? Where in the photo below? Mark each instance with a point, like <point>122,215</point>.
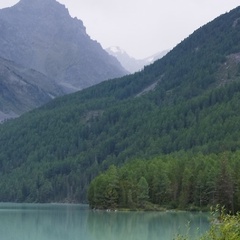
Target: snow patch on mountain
<point>115,49</point>
<point>131,64</point>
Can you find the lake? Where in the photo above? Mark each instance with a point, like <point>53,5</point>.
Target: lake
<point>77,222</point>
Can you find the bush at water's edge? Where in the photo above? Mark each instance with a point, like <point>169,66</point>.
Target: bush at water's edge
<point>224,226</point>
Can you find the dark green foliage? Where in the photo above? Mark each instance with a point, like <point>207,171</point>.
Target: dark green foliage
<point>182,180</point>
<point>53,153</point>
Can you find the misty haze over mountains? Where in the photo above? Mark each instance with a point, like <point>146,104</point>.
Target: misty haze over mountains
<point>41,35</point>
<point>131,64</point>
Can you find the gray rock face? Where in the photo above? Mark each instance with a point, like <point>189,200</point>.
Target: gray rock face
<point>23,89</point>
<point>40,34</point>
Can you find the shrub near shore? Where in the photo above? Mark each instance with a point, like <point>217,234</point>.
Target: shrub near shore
<point>223,227</point>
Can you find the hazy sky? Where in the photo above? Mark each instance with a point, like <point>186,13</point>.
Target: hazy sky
<point>143,27</point>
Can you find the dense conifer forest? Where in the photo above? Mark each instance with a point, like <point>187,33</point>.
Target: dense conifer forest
<point>181,180</point>
<point>175,124</point>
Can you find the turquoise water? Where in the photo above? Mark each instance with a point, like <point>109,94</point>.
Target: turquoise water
<point>77,222</point>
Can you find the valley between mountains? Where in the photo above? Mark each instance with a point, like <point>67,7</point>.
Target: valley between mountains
<point>167,136</point>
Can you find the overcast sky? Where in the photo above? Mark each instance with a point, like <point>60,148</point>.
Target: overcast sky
<point>143,27</point>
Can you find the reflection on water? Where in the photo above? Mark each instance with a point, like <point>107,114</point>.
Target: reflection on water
<point>77,222</point>
<point>43,222</point>
<point>145,225</point>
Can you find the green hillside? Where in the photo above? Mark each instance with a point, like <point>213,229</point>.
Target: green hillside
<point>188,100</point>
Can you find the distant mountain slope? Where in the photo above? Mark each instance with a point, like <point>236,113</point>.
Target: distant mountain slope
<point>186,101</point>
<point>40,34</point>
<point>23,89</point>
<point>131,64</point>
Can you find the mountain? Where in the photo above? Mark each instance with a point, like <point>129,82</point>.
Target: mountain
<point>23,89</point>
<point>131,64</point>
<point>41,35</point>
<point>188,101</point>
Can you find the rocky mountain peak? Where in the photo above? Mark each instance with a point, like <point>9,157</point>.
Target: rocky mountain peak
<point>41,34</point>
<point>130,63</point>
<point>46,9</point>
<point>41,4</point>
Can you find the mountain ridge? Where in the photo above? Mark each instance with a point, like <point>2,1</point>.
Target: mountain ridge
<point>50,41</point>
<point>42,36</point>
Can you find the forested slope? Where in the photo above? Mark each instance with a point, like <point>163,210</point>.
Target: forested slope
<point>52,153</point>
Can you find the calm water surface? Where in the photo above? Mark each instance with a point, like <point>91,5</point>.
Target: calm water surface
<point>77,222</point>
